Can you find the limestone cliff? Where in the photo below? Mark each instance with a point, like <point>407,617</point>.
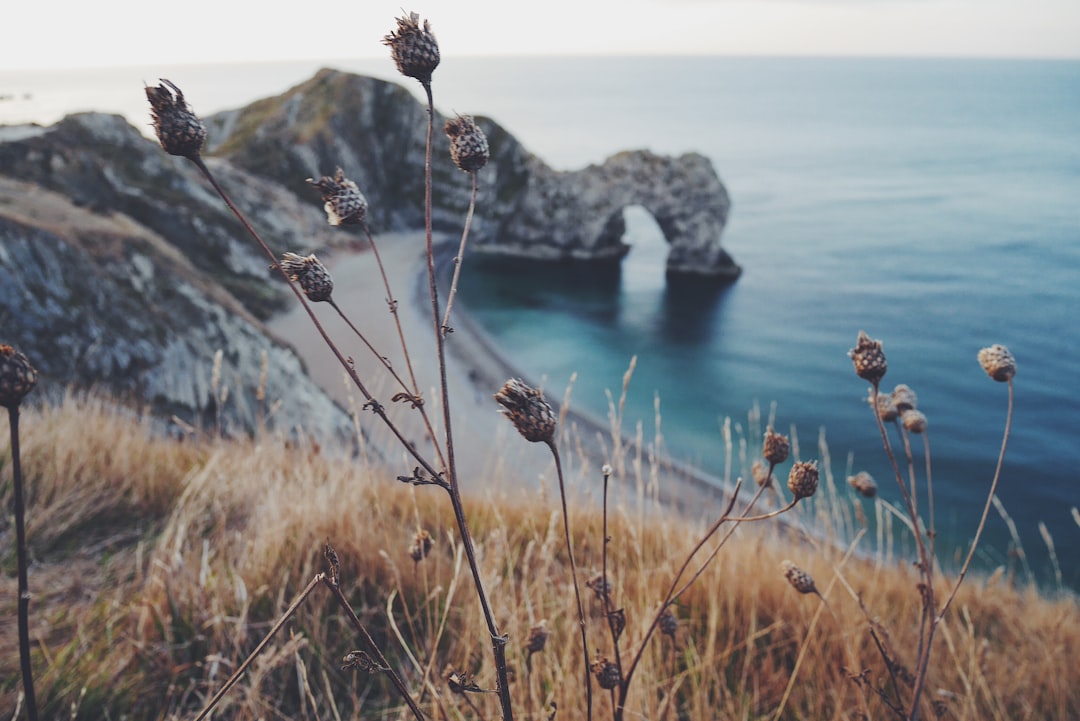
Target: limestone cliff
<point>376,130</point>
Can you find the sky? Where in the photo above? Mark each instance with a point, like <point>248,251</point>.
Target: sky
<point>103,33</point>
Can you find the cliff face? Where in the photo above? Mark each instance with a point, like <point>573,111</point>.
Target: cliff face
<point>376,132</point>
<point>118,271</point>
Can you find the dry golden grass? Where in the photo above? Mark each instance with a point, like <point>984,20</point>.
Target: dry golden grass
<point>160,564</point>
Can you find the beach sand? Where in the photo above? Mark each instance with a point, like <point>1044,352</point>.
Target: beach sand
<point>490,456</point>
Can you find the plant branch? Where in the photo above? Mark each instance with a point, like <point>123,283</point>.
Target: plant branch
<point>23,563</point>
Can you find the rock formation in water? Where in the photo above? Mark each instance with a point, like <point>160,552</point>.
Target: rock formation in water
<point>376,132</point>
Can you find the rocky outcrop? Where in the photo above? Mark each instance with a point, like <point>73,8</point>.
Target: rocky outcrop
<point>98,299</point>
<point>376,132</point>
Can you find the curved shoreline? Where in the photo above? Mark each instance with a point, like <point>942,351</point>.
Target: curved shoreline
<point>476,369</point>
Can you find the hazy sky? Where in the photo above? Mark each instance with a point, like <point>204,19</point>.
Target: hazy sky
<point>65,33</point>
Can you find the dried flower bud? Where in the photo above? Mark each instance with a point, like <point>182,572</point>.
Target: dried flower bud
<point>538,636</point>
<point>334,562</point>
<point>869,358</point>
<point>776,447</point>
<point>669,623</point>
<point>600,586</point>
<point>413,48</point>
<point>913,420</point>
<point>468,144</point>
<point>527,410</point>
<point>799,579</point>
<point>998,362</point>
<point>17,377</point>
<point>608,675</point>
<point>886,409</point>
<point>761,474</point>
<point>421,546</point>
<point>606,469</point>
<point>311,274</point>
<point>904,398</point>
<point>803,479</point>
<point>179,130</point>
<point>864,483</point>
<point>344,203</point>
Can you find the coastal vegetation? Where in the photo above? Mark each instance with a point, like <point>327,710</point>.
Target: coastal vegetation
<point>209,575</point>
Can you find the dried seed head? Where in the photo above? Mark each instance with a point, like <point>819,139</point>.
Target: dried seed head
<point>864,483</point>
<point>607,673</point>
<point>606,469</point>
<point>311,274</point>
<point>600,586</point>
<point>468,144</point>
<point>413,48</point>
<point>669,623</point>
<point>17,377</point>
<point>869,358</point>
<point>421,546</point>
<point>803,479</point>
<point>998,362</point>
<point>527,410</point>
<point>886,409</point>
<point>761,474</point>
<point>179,130</point>
<point>913,420</point>
<point>775,447</point>
<point>538,636</point>
<point>344,203</point>
<point>799,579</point>
<point>904,398</point>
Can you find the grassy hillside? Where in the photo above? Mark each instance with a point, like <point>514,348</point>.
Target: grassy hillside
<point>159,565</point>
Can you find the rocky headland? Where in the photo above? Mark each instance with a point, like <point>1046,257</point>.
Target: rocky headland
<point>123,271</point>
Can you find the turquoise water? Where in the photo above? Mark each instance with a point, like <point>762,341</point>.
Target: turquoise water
<point>933,203</point>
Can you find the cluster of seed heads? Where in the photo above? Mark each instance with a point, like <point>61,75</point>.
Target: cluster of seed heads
<point>799,579</point>
<point>868,358</point>
<point>179,130</point>
<point>311,274</point>
<point>468,144</point>
<point>344,203</point>
<point>17,376</point>
<point>998,363</point>
<point>526,408</point>
<point>413,48</point>
<point>803,479</point>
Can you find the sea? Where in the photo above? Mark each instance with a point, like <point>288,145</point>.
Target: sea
<point>933,203</point>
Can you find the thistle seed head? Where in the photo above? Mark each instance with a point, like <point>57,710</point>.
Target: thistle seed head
<point>608,675</point>
<point>527,410</point>
<point>599,586</point>
<point>179,130</point>
<point>344,203</point>
<point>904,398</point>
<point>803,479</point>
<point>669,623</point>
<point>413,48</point>
<point>914,421</point>
<point>468,144</point>
<point>885,409</point>
<point>761,474</point>
<point>311,274</point>
<point>17,376</point>
<point>538,636</point>
<point>421,546</point>
<point>776,447</point>
<point>864,483</point>
<point>869,358</point>
<point>998,362</point>
<point>799,579</point>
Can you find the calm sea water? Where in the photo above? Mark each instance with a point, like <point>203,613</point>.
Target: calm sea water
<point>933,203</point>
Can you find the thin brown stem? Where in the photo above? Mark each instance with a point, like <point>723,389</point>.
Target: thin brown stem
<point>607,589</point>
<point>574,576</point>
<point>460,257</point>
<point>262,645</point>
<point>23,564</point>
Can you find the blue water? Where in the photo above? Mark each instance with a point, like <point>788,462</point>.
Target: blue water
<point>933,203</point>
